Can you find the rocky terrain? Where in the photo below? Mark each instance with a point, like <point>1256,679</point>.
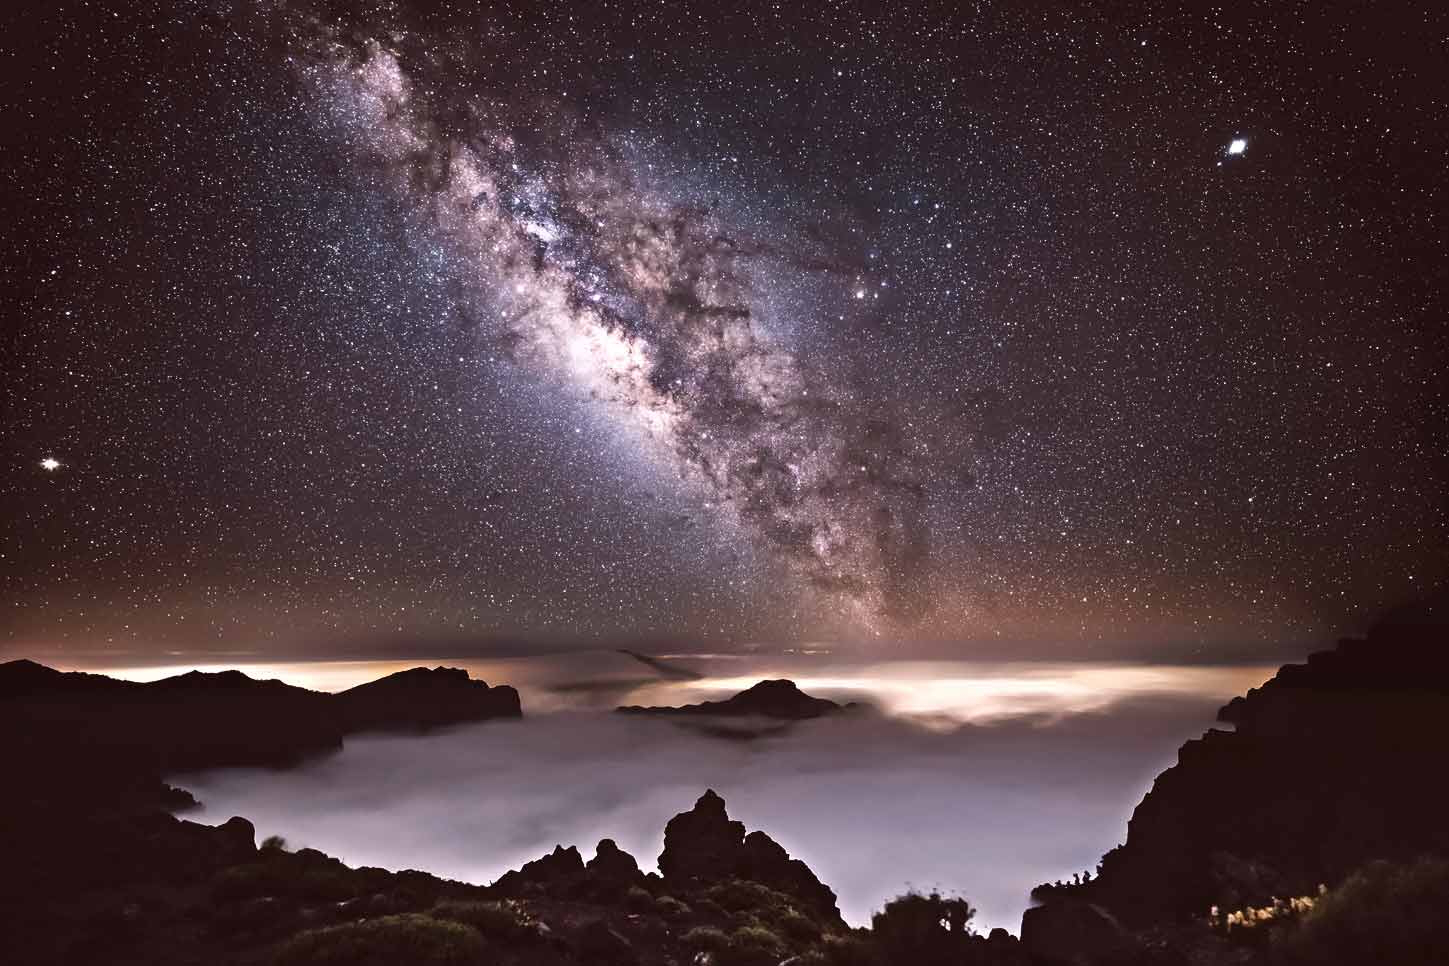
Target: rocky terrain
<point>1262,845</point>
<point>86,805</point>
<point>1330,765</point>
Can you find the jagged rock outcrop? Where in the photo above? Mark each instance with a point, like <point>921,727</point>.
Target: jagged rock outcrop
<point>779,699</point>
<point>560,871</point>
<point>612,864</point>
<point>701,843</point>
<point>1332,763</point>
<point>704,845</point>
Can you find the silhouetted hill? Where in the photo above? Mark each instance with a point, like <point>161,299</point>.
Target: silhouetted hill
<point>421,698</point>
<point>78,743</point>
<point>84,756</point>
<point>1331,764</point>
<point>767,699</point>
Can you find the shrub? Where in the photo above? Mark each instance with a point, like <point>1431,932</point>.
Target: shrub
<point>414,939</point>
<point>328,881</point>
<point>706,906</point>
<point>705,939</point>
<point>265,917</point>
<point>638,900</point>
<point>849,949</point>
<point>273,843</point>
<point>800,928</point>
<point>670,907</point>
<point>923,929</point>
<point>1383,913</point>
<point>811,957</point>
<point>740,895</point>
<point>751,946</point>
<point>503,921</point>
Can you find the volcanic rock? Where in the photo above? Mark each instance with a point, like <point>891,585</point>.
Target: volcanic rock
<point>560,870</point>
<point>1070,931</point>
<point>767,699</point>
<point>612,864</point>
<point>423,698</point>
<point>1330,765</point>
<point>704,845</point>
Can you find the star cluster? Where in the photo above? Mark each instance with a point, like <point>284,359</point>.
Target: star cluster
<point>1042,327</point>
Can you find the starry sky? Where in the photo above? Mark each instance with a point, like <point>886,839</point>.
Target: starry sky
<point>1004,328</point>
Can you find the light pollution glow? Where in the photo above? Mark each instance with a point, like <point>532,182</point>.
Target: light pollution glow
<point>936,693</point>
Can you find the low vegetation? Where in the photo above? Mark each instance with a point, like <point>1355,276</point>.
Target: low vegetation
<point>504,922</point>
<point>417,940</point>
<point>1384,913</point>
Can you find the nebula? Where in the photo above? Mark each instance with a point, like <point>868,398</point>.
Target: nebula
<point>581,274</point>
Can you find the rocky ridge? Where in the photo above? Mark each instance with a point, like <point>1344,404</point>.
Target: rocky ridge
<point>1331,764</point>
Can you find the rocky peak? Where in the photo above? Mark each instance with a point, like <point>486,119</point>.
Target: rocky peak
<point>701,843</point>
<point>778,698</point>
<point>704,845</point>
<point>421,698</point>
<point>612,863</point>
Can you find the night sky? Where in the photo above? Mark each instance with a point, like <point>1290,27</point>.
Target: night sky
<point>1032,328</point>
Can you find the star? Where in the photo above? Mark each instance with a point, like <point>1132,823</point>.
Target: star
<point>50,464</point>
<point>1238,146</point>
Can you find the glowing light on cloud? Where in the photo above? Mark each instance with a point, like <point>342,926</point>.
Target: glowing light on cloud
<point>939,693</point>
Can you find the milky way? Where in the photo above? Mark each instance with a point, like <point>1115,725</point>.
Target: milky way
<point>586,277</point>
<point>339,324</point>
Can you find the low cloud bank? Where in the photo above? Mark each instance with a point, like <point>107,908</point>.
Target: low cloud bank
<point>874,804</point>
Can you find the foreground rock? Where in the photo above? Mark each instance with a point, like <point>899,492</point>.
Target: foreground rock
<point>86,755</point>
<point>179,892</point>
<point>778,699</point>
<point>704,846</point>
<point>1072,931</point>
<point>1331,764</point>
<point>207,720</point>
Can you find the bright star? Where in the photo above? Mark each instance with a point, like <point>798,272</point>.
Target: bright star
<point>1238,146</point>
<point>50,464</point>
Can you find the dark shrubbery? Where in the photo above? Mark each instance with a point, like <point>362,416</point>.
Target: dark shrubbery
<point>927,930</point>
<point>331,881</point>
<point>752,946</point>
<point>1384,913</point>
<point>639,900</point>
<point>505,922</point>
<point>741,895</point>
<point>671,908</point>
<point>849,949</point>
<point>798,928</point>
<point>705,939</point>
<point>413,939</point>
